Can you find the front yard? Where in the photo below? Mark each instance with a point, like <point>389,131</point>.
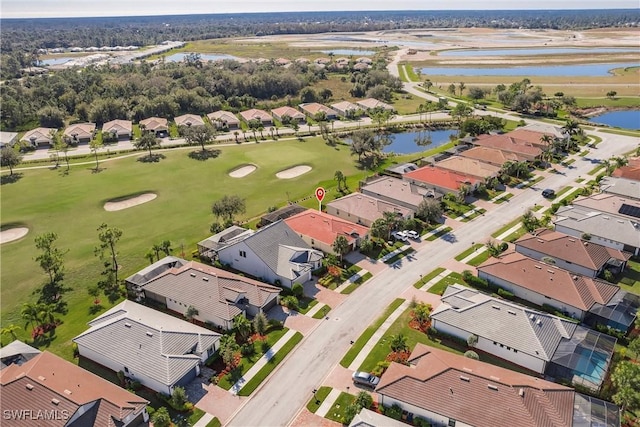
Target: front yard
<point>336,276</point>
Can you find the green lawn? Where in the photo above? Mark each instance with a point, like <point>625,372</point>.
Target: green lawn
<point>215,422</point>
<point>475,214</point>
<point>352,287</point>
<point>468,252</point>
<point>421,282</point>
<point>317,399</point>
<point>337,411</point>
<point>506,227</point>
<point>595,170</point>
<point>400,255</point>
<point>304,306</point>
<point>504,198</point>
<point>439,234</point>
<point>630,281</point>
<point>476,261</point>
<point>515,235</point>
<point>322,312</point>
<point>71,206</point>
<point>451,279</point>
<point>368,333</point>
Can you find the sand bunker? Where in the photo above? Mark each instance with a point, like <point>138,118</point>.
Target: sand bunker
<point>242,171</point>
<point>11,234</point>
<point>293,172</point>
<point>130,202</point>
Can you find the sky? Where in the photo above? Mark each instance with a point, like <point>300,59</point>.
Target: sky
<point>77,8</point>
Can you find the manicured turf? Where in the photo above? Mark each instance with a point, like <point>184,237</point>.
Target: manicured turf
<point>352,287</point>
<point>506,227</point>
<point>442,284</point>
<point>318,398</point>
<point>337,411</point>
<point>479,259</point>
<point>468,252</point>
<point>72,207</point>
<point>322,312</point>
<point>439,234</point>
<point>630,281</point>
<point>421,282</point>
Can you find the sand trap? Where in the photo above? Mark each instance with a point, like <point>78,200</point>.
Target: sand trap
<point>293,172</point>
<point>127,203</point>
<point>11,234</point>
<point>242,171</point>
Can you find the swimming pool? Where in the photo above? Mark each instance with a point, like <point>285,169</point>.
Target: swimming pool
<point>590,366</point>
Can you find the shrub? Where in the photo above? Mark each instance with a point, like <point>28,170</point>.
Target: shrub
<point>503,246</point>
<point>275,324</point>
<point>471,355</point>
<point>290,302</point>
<point>380,368</point>
<point>247,349</point>
<point>505,294</point>
<point>474,281</point>
<point>298,290</point>
<point>421,422</point>
<point>394,412</point>
<point>608,276</point>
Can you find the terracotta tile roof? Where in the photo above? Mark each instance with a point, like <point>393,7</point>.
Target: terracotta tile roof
<point>325,228</point>
<point>224,116</point>
<point>369,103</point>
<point>189,120</point>
<point>569,288</point>
<point>313,108</point>
<point>41,135</point>
<point>119,126</point>
<point>81,130</point>
<point>530,136</point>
<point>367,207</point>
<point>469,167</point>
<point>345,106</point>
<point>154,124</point>
<point>254,114</point>
<point>287,111</point>
<point>570,248</point>
<point>630,171</point>
<point>509,144</point>
<point>476,393</point>
<point>441,177</point>
<point>48,382</point>
<point>492,155</point>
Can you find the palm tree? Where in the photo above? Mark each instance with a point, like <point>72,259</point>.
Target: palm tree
<point>339,177</point>
<point>157,249</point>
<point>340,246</point>
<point>428,84</point>
<point>398,343</point>
<point>461,86</point>
<point>391,220</point>
<point>620,161</point>
<point>10,330</point>
<point>165,247</point>
<point>191,313</point>
<point>243,327</point>
<point>235,134</point>
<point>31,314</point>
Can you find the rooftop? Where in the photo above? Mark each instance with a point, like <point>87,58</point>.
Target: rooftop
<point>226,116</point>
<point>367,207</point>
<point>468,167</point>
<point>287,111</point>
<point>596,223</point>
<point>154,123</point>
<point>611,204</point>
<point>189,120</point>
<point>444,178</point>
<point>117,126</point>
<point>509,144</point>
<point>529,135</point>
<point>345,106</point>
<point>255,114</point>
<point>325,228</point>
<point>397,189</point>
<point>621,187</point>
<point>314,108</point>
<point>81,130</point>
<point>38,135</point>
<point>630,171</point>
<point>492,155</point>
<point>370,103</point>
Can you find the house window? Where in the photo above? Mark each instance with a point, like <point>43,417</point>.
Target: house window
<point>243,254</point>
<point>508,348</point>
<point>515,351</point>
<point>501,346</point>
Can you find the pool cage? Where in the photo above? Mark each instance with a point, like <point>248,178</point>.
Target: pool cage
<point>619,313</point>
<point>582,359</point>
<point>593,412</point>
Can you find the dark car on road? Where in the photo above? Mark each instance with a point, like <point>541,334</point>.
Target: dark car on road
<point>548,193</point>
<point>365,379</point>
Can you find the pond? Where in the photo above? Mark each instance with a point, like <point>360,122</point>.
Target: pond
<point>573,70</point>
<point>348,52</point>
<point>179,57</point>
<point>57,60</point>
<point>625,119</point>
<point>535,51</point>
<point>405,142</point>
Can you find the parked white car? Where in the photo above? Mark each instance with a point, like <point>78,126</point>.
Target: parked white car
<point>400,235</point>
<point>412,234</point>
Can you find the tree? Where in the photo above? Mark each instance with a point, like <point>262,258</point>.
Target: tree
<point>429,210</point>
<point>10,330</point>
<point>379,229</point>
<point>461,111</point>
<point>363,400</point>
<point>398,343</point>
<point>340,179</point>
<point>472,340</point>
<point>198,135</point>
<point>260,323</point>
<point>611,94</point>
<point>452,89</point>
<point>243,327</point>
<point>191,313</point>
<point>94,146</point>
<point>529,221</point>
<point>626,379</point>
<point>476,93</point>
<point>165,247</point>
<point>51,261</point>
<point>228,207</point>
<point>428,84</point>
<point>461,87</point>
<point>178,397</point>
<point>228,350</point>
<point>471,355</point>
<point>463,191</point>
<point>107,252</point>
<point>10,158</point>
<point>340,246</point>
<point>147,141</point>
<point>161,417</point>
<point>361,141</point>
<point>51,117</point>
<point>60,145</point>
<point>422,315</point>
<point>156,250</point>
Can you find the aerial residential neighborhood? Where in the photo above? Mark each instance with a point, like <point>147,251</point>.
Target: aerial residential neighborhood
<point>380,218</point>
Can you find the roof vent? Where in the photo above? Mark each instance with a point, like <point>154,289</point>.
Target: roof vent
<point>492,387</point>
<point>575,277</point>
<point>538,267</point>
<point>41,378</point>
<point>521,392</point>
<point>206,279</point>
<point>550,271</point>
<point>493,377</point>
<point>192,274</point>
<point>127,325</point>
<point>67,392</point>
<point>55,401</point>
<point>511,312</point>
<point>572,241</point>
<point>467,369</point>
<point>497,307</point>
<point>532,317</point>
<point>466,379</point>
<point>29,386</point>
<point>149,334</point>
<point>539,322</point>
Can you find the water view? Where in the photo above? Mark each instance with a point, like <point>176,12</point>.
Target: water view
<point>57,61</point>
<point>405,142</point>
<point>535,51</point>
<point>574,70</point>
<point>179,57</point>
<point>626,119</point>
<point>348,52</point>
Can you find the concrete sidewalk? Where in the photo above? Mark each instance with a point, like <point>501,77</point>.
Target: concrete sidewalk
<point>202,422</point>
<point>316,308</point>
<point>260,363</point>
<point>435,280</point>
<point>350,280</point>
<point>328,402</point>
<point>473,254</point>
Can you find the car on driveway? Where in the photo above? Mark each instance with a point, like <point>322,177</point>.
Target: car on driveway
<point>413,234</point>
<point>365,379</point>
<point>548,193</point>
<point>400,235</point>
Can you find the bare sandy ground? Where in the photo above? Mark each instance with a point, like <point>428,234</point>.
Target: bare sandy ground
<point>11,234</point>
<point>128,203</point>
<point>242,171</point>
<point>293,172</point>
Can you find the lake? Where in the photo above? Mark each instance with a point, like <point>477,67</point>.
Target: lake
<point>404,143</point>
<point>574,70</point>
<point>179,57</point>
<point>348,52</point>
<point>535,51</point>
<point>57,61</point>
<point>625,119</point>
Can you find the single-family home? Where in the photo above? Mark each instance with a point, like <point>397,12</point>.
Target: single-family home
<point>294,115</point>
<point>121,130</point>
<point>16,352</point>
<point>320,230</point>
<point>157,125</point>
<point>346,109</point>
<point>570,253</point>
<point>282,62</point>
<point>39,137</point>
<point>224,119</point>
<point>531,136</point>
<point>256,114</point>
<point>492,156</point>
<point>156,349</point>
<point>361,66</point>
<point>441,180</point>
<point>538,341</point>
<point>556,132</point>
<point>622,187</point>
<point>282,213</point>
<point>398,191</point>
<point>49,391</point>
<point>447,389</point>
<point>469,167</point>
<point>8,139</point>
<point>363,209</point>
<point>630,171</point>
<point>609,203</point>
<point>210,246</point>
<point>312,109</point>
<point>275,254</point>
<point>503,142</point>
<point>218,296</point>
<point>372,104</point>
<point>573,294</point>
<point>79,133</point>
<point>189,120</point>
<point>612,231</point>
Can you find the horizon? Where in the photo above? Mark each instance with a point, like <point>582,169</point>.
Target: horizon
<point>44,9</point>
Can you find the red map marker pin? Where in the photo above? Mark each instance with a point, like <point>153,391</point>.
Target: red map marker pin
<point>320,192</point>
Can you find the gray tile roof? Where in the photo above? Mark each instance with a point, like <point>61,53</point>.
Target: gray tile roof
<point>600,224</point>
<point>529,331</point>
<point>621,187</point>
<point>149,342</point>
<point>155,269</point>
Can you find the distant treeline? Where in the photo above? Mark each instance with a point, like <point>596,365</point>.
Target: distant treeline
<point>28,34</point>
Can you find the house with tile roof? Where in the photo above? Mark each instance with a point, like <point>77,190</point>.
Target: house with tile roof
<point>555,132</point>
<point>256,114</point>
<point>612,231</point>
<point>346,109</point>
<point>293,114</point>
<point>544,284</point>
<point>219,296</point>
<point>8,139</point>
<point>156,349</point>
<point>570,253</point>
<point>630,171</point>
<point>469,167</point>
<point>189,120</point>
<point>447,389</point>
<point>372,104</point>
<point>224,119</point>
<point>274,254</point>
<point>319,230</point>
<point>492,156</point>
<point>363,209</point>
<point>609,203</point>
<point>157,125</point>
<point>48,390</point>
<point>311,109</point>
<point>531,136</point>
<point>210,246</point>
<point>16,353</point>
<point>509,144</point>
<point>398,191</point>
<point>122,130</point>
<point>79,133</point>
<point>38,137</point>
<point>538,341</point>
<point>623,187</point>
<point>440,180</point>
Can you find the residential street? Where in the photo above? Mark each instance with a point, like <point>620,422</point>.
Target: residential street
<point>290,387</point>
